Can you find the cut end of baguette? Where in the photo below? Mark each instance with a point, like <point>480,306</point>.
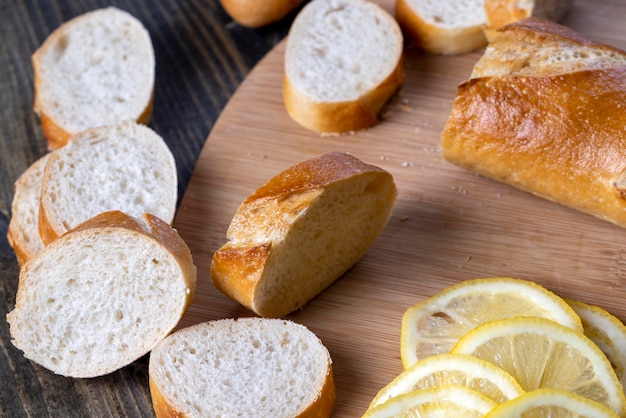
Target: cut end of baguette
<point>242,367</point>
<point>96,69</point>
<point>301,231</point>
<point>447,27</point>
<point>125,167</point>
<point>102,295</point>
<point>342,64</point>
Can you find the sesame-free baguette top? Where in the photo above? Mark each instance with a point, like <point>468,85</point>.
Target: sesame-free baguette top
<point>246,367</point>
<point>126,167</point>
<point>544,112</point>
<point>343,62</point>
<point>96,69</point>
<point>301,231</point>
<point>258,13</point>
<point>23,230</point>
<point>102,295</point>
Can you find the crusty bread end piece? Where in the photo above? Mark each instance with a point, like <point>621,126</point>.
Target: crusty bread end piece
<point>258,13</point>
<point>247,367</point>
<point>23,230</point>
<point>126,167</point>
<point>448,27</point>
<point>102,295</point>
<point>544,112</point>
<point>96,69</point>
<point>343,62</point>
<point>301,231</point>
<point>503,12</point>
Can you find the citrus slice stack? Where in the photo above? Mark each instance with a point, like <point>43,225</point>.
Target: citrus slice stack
<point>452,369</point>
<point>551,403</point>
<point>540,353</point>
<point>607,331</point>
<point>442,401</point>
<point>436,324</point>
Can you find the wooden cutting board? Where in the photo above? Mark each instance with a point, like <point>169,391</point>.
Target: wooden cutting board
<point>448,224</point>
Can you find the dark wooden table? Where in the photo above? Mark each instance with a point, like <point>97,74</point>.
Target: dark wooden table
<point>201,57</point>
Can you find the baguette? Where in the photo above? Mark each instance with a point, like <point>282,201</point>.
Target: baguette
<point>249,367</point>
<point>502,12</point>
<point>543,111</point>
<point>23,230</point>
<point>102,295</point>
<point>258,13</point>
<point>301,231</point>
<point>343,62</point>
<point>125,167</point>
<point>96,69</point>
<point>447,27</point>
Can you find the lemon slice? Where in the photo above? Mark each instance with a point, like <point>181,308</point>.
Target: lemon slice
<point>452,369</point>
<point>540,353</point>
<point>436,324</point>
<point>607,331</point>
<point>443,401</point>
<point>554,403</point>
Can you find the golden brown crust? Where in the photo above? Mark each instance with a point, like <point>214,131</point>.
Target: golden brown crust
<point>20,253</point>
<point>257,13</point>
<point>324,404</point>
<point>341,117</point>
<point>436,40</point>
<point>46,232</point>
<point>162,408</point>
<point>558,136</point>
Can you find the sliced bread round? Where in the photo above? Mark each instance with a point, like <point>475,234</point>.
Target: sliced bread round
<point>102,295</point>
<point>247,367</point>
<point>258,13</point>
<point>126,167</point>
<point>343,62</point>
<point>447,27</point>
<point>96,69</point>
<point>23,230</point>
<point>303,229</point>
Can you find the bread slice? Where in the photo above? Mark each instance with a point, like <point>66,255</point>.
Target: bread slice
<point>96,69</point>
<point>544,112</point>
<point>258,13</point>
<point>125,167</point>
<point>301,231</point>
<point>448,27</point>
<point>247,367</point>
<point>23,230</point>
<point>102,295</point>
<point>502,12</point>
<point>343,62</point>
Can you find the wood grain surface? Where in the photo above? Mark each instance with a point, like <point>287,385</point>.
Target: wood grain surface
<point>448,225</point>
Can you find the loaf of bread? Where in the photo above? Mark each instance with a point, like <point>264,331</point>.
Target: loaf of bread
<point>499,13</point>
<point>247,367</point>
<point>102,295</point>
<point>343,62</point>
<point>23,230</point>
<point>301,231</point>
<point>447,27</point>
<point>126,167</point>
<point>96,69</point>
<point>544,112</point>
<point>258,13</point>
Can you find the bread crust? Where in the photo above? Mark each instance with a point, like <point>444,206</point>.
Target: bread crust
<point>269,216</point>
<point>341,117</point>
<point>556,135</point>
<point>435,39</point>
<point>257,13</point>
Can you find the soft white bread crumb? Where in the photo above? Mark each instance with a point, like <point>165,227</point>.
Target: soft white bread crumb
<point>303,229</point>
<point>102,295</point>
<point>248,367</point>
<point>23,230</point>
<point>343,61</point>
<point>126,167</point>
<point>446,27</point>
<point>96,69</point>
